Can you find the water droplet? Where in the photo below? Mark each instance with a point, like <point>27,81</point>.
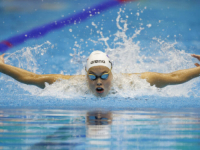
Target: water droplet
<point>149,25</point>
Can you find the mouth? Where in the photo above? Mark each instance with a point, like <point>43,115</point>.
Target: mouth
<point>99,90</point>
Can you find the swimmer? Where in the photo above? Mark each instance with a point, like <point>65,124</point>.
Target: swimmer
<point>99,75</point>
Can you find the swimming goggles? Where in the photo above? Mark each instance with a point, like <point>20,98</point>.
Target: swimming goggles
<point>104,76</point>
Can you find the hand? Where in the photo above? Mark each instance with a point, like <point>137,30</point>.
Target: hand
<point>198,57</point>
<point>2,59</point>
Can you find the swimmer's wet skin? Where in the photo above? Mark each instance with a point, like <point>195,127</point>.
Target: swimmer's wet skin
<point>100,87</point>
<point>99,75</point>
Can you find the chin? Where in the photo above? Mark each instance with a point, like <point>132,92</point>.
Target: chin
<point>104,94</point>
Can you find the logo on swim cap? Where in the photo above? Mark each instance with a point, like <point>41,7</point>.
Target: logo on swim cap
<point>98,58</point>
<point>97,61</point>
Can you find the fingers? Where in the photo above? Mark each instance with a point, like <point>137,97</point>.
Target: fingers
<point>196,64</point>
<point>196,56</point>
<point>2,55</point>
<point>193,55</point>
<point>1,58</point>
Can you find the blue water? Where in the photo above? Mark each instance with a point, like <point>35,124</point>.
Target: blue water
<point>130,129</point>
<point>143,118</point>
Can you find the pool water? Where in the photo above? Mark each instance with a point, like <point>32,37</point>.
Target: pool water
<point>138,36</point>
<point>72,129</point>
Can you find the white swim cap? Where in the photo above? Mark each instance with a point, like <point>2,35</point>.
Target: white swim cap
<point>98,58</point>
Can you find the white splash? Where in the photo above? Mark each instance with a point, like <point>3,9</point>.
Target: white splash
<point>74,87</point>
<point>126,56</point>
<point>149,25</point>
<point>26,57</point>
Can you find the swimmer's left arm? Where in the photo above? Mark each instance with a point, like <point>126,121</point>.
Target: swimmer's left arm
<point>163,79</point>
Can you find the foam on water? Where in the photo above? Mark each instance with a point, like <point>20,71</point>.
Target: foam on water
<point>127,57</point>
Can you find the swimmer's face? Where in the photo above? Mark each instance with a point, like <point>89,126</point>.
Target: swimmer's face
<point>99,87</point>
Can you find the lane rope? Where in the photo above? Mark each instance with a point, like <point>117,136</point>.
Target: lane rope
<point>44,29</point>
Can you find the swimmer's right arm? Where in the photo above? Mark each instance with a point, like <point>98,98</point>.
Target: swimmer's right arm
<point>27,77</point>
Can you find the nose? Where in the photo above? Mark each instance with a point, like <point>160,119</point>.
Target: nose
<point>99,82</point>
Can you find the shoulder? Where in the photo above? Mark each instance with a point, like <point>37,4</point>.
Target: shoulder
<point>60,76</point>
<point>67,77</point>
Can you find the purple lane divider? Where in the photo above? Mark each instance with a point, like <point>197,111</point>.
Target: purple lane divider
<point>44,29</point>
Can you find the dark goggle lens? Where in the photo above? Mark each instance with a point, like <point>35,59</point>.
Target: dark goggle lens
<point>104,76</point>
<point>92,77</point>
